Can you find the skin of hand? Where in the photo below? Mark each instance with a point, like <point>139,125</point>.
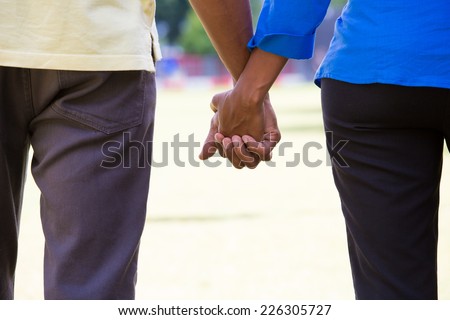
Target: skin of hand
<point>243,151</point>
<point>228,24</point>
<point>242,112</point>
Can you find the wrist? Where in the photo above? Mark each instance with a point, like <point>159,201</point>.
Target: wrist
<point>258,77</point>
<point>248,94</point>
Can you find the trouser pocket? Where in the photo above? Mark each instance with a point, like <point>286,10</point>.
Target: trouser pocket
<point>107,101</point>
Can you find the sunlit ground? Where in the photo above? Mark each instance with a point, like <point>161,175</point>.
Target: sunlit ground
<point>220,233</point>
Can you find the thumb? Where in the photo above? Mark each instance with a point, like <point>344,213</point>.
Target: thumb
<point>208,150</point>
<point>217,100</point>
<point>209,147</point>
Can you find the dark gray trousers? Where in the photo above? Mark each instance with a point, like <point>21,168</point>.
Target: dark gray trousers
<point>91,134</point>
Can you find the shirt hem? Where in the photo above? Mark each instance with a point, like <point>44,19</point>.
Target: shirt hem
<point>76,62</point>
<point>433,83</point>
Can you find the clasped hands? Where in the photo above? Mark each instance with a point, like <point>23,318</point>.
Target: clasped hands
<point>243,131</point>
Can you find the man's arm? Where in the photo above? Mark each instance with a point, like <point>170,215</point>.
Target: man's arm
<point>228,24</point>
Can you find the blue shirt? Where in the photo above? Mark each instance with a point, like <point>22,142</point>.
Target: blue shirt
<point>403,42</point>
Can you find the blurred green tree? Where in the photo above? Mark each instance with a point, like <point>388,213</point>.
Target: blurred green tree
<point>178,24</point>
<point>170,15</point>
<point>338,3</point>
<point>193,37</point>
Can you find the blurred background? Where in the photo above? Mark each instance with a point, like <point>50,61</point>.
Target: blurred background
<point>190,59</point>
<point>276,232</point>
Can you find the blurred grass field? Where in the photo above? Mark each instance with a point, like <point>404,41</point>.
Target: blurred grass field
<point>221,233</point>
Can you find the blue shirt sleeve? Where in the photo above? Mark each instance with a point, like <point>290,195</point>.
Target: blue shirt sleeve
<point>287,27</point>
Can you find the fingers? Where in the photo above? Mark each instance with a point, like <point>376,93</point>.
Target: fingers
<point>258,148</point>
<point>235,150</point>
<point>218,137</point>
<point>247,159</point>
<point>242,151</point>
<point>210,146</point>
<point>229,151</point>
<point>208,150</point>
<point>264,148</point>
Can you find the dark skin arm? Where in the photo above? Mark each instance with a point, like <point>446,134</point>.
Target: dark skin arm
<point>228,24</point>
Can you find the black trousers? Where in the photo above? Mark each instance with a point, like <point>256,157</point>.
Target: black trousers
<point>388,176</point>
<point>90,132</point>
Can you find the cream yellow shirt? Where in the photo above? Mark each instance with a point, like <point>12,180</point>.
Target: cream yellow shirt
<point>89,35</point>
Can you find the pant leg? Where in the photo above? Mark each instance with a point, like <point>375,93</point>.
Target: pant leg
<point>15,112</point>
<point>92,146</point>
<point>390,188</point>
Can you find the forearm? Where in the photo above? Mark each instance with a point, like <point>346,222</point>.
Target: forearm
<point>257,78</point>
<point>228,24</point>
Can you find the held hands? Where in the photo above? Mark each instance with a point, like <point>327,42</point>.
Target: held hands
<point>244,128</point>
<point>243,131</point>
